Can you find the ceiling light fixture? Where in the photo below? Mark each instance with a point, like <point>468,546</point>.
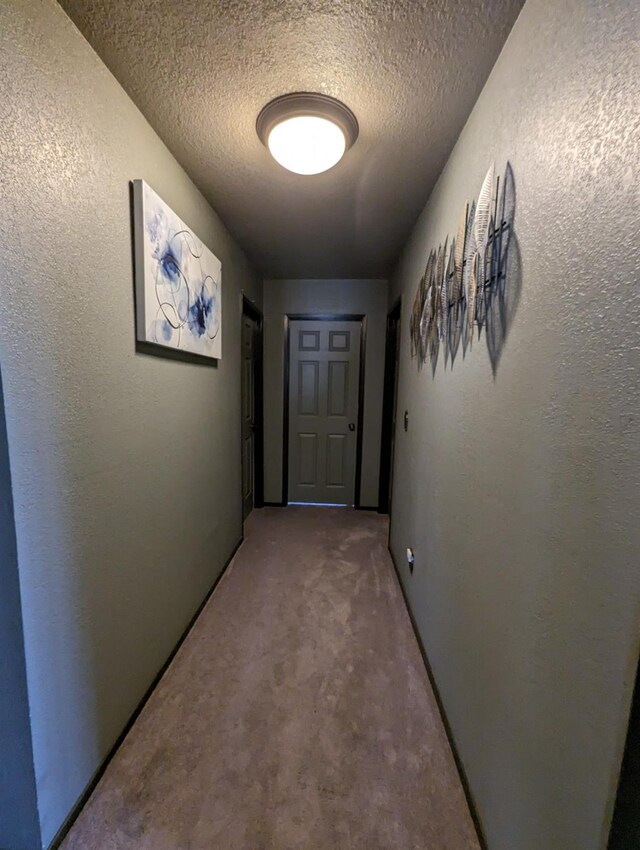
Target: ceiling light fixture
<point>307,133</point>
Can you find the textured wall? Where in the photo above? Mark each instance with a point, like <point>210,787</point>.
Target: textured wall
<point>19,826</point>
<point>126,467</point>
<point>520,494</point>
<point>323,296</point>
<point>201,72</point>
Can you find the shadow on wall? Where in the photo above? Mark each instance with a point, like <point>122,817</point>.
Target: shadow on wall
<point>19,824</point>
<point>480,286</point>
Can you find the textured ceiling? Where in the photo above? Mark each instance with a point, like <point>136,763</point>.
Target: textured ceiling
<point>201,71</point>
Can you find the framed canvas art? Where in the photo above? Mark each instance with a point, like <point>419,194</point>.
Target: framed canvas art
<point>178,280</point>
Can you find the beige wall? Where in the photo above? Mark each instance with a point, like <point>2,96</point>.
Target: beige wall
<point>519,493</point>
<point>323,296</point>
<point>125,466</point>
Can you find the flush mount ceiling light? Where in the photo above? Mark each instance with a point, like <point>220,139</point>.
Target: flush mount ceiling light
<point>307,133</point>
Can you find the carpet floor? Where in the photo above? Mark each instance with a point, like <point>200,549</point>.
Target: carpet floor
<point>297,715</point>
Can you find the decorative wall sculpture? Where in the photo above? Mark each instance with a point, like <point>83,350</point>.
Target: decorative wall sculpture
<point>178,280</point>
<point>475,283</point>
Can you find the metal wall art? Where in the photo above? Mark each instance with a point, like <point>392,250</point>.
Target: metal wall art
<point>473,282</point>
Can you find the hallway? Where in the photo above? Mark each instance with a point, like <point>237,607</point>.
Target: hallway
<point>297,713</point>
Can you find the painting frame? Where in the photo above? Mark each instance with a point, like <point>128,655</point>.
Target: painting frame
<point>178,280</point>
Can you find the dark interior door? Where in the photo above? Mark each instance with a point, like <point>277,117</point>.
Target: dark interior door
<point>249,420</point>
<point>390,398</point>
<point>625,828</point>
<point>324,375</point>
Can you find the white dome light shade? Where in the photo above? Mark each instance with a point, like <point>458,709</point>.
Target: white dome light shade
<point>307,144</point>
<point>307,133</point>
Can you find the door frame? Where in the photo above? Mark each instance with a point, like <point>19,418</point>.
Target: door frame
<point>623,801</point>
<point>389,403</point>
<point>253,311</point>
<point>323,317</point>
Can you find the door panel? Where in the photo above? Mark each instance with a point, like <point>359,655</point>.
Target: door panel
<point>339,340</point>
<point>324,373</point>
<point>308,389</point>
<point>389,405</point>
<point>309,340</point>
<point>336,460</point>
<point>249,330</point>
<point>247,470</point>
<point>308,460</point>
<point>338,395</point>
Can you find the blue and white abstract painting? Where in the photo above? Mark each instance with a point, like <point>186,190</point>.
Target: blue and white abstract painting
<point>178,280</point>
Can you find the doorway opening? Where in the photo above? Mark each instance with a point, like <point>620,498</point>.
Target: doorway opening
<point>251,409</point>
<point>324,363</point>
<point>625,827</point>
<point>389,406</point>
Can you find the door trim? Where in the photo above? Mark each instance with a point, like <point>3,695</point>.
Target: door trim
<point>254,312</point>
<point>323,317</point>
<point>389,398</point>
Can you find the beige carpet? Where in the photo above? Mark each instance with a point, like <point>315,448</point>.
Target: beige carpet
<point>296,715</point>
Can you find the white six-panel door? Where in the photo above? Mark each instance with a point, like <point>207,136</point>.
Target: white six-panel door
<point>324,366</point>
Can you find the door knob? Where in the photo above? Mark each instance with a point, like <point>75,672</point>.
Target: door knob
<point>352,426</point>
